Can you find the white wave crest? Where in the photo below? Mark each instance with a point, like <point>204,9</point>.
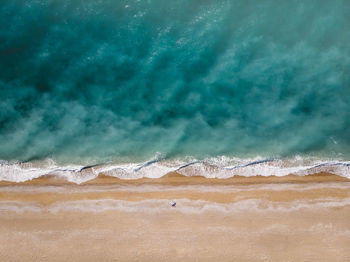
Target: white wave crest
<point>220,167</point>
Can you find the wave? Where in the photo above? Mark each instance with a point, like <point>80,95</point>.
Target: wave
<point>218,167</point>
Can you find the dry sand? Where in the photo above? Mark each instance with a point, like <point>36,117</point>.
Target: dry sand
<point>238,219</point>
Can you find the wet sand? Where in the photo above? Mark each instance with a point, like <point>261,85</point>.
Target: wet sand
<point>287,218</point>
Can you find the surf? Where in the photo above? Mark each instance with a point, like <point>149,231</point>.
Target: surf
<point>216,168</point>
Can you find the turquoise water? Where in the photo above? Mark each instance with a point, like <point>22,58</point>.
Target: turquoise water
<point>110,80</point>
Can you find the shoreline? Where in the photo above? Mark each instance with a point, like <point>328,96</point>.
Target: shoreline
<point>44,191</point>
<point>179,179</point>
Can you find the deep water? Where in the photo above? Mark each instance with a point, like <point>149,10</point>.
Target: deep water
<point>100,80</point>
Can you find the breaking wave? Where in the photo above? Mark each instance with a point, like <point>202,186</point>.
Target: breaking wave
<point>219,167</point>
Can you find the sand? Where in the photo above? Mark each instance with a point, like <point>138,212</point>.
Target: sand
<point>238,219</point>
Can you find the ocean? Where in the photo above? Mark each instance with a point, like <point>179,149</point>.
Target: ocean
<point>141,88</point>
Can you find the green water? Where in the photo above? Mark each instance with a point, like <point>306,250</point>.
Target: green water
<point>94,81</point>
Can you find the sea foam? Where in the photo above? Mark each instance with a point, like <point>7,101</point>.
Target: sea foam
<point>221,167</point>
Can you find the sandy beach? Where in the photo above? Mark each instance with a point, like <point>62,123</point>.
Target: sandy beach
<point>287,218</point>
<point>175,131</point>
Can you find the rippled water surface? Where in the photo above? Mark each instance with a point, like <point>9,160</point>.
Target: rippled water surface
<point>98,81</point>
